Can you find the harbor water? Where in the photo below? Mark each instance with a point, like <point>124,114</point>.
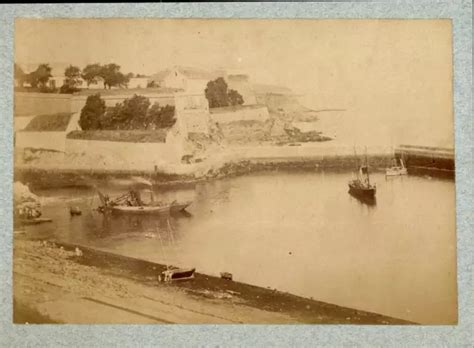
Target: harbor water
<point>296,232</point>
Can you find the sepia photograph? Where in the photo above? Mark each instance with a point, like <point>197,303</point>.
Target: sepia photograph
<point>225,171</point>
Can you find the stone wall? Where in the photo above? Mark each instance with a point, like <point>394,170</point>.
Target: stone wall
<point>126,155</point>
<point>40,140</point>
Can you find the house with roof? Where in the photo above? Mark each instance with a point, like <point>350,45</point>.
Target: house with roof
<point>187,79</point>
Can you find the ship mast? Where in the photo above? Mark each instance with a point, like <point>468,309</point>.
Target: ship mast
<point>367,166</point>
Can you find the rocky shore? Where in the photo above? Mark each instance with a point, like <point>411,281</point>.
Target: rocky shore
<point>59,283</point>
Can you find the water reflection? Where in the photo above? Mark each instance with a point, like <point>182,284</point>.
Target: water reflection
<point>366,200</point>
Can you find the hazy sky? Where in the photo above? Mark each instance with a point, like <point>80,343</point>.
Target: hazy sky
<point>393,76</point>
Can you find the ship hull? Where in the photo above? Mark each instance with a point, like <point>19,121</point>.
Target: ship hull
<point>362,191</point>
<point>145,210</point>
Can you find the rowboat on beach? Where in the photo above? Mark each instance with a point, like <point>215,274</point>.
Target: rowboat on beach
<point>175,273</point>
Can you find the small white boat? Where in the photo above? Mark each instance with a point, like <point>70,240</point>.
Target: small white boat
<point>397,169</point>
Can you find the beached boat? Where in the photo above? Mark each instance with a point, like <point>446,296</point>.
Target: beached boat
<point>132,203</point>
<point>175,273</point>
<point>396,170</point>
<point>361,186</point>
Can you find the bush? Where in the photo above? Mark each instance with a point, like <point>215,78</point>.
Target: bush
<point>132,114</point>
<point>161,117</point>
<point>66,89</point>
<point>234,97</point>
<point>92,113</point>
<point>218,95</point>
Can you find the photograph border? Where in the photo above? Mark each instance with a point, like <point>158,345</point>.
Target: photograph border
<point>460,12</point>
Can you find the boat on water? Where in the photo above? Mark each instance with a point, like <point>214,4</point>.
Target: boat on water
<point>397,169</point>
<point>361,186</point>
<point>33,221</point>
<point>133,203</point>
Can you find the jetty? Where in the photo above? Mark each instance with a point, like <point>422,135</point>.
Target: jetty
<point>426,157</point>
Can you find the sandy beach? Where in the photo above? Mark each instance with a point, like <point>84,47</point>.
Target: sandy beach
<point>52,283</point>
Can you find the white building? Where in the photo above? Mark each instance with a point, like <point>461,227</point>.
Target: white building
<point>191,80</point>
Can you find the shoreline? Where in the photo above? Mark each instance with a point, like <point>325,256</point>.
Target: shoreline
<point>127,281</point>
<point>81,177</point>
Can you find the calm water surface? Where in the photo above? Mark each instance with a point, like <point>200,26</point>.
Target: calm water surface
<point>297,232</point>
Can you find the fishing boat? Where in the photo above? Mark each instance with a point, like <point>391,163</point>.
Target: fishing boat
<point>361,186</point>
<point>396,169</point>
<point>133,203</point>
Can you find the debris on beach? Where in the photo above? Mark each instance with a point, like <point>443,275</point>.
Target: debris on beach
<point>219,295</point>
<point>226,275</point>
<point>75,211</point>
<point>78,252</point>
<point>26,204</point>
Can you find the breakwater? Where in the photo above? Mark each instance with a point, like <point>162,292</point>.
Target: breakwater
<point>77,177</point>
<point>427,157</point>
<point>419,160</point>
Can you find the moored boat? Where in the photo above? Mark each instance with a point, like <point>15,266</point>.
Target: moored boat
<point>144,209</point>
<point>396,170</point>
<point>132,203</point>
<point>361,186</point>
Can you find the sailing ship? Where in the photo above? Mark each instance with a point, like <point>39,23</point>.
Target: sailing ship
<point>133,202</point>
<point>361,186</point>
<point>396,169</point>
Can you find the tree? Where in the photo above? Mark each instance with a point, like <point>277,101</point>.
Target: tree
<point>39,77</point>
<point>216,93</point>
<point>112,76</point>
<point>161,117</point>
<point>73,75</point>
<point>234,97</point>
<point>91,72</point>
<point>92,113</point>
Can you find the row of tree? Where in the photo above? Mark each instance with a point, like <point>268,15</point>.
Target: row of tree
<point>135,113</point>
<point>109,73</point>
